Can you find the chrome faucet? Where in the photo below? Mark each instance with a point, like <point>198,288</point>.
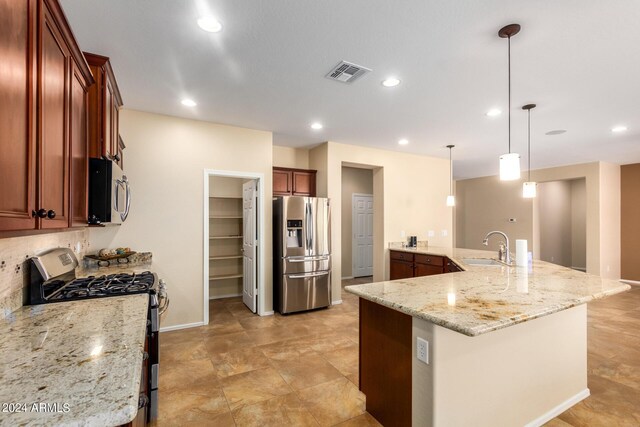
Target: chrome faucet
<point>504,254</point>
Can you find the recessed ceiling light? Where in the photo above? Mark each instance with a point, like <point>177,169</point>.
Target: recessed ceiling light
<point>210,24</point>
<point>403,141</point>
<point>618,129</point>
<point>556,132</point>
<point>316,126</point>
<point>188,102</point>
<point>390,82</point>
<point>494,112</point>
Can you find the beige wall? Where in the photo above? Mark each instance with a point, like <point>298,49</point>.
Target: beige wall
<point>630,225</point>
<point>288,157</point>
<point>486,204</point>
<point>165,161</point>
<point>602,193</point>
<point>354,181</point>
<point>409,190</point>
<point>578,224</point>
<point>554,201</point>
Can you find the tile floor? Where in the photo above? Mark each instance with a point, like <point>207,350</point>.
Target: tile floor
<point>302,370</point>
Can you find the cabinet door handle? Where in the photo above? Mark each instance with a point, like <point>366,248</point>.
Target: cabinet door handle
<point>40,213</point>
<point>51,214</point>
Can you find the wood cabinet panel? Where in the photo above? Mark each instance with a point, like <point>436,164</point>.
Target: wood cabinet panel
<point>53,147</point>
<point>304,183</point>
<point>427,270</point>
<point>281,183</point>
<point>79,179</point>
<point>401,256</point>
<point>294,182</point>
<point>430,259</point>
<point>400,270</point>
<point>385,335</point>
<point>17,142</point>
<point>104,105</point>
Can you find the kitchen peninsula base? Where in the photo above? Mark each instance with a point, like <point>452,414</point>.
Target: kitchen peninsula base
<point>523,375</point>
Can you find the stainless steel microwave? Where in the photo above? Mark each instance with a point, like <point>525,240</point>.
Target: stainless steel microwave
<point>109,192</point>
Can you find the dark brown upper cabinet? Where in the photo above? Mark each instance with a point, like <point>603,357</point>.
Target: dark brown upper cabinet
<point>294,182</point>
<point>104,109</point>
<point>42,169</point>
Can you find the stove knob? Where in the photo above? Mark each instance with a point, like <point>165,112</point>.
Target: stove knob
<point>162,284</point>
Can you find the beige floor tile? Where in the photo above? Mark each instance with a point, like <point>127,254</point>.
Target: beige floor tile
<point>278,333</point>
<point>177,353</point>
<point>238,362</point>
<point>364,420</point>
<point>239,310</point>
<point>191,404</point>
<point>187,373</point>
<point>216,344</point>
<point>279,411</point>
<point>258,322</point>
<point>286,350</point>
<point>557,422</point>
<point>182,336</point>
<point>253,387</point>
<point>306,371</point>
<point>345,360</point>
<point>197,420</point>
<point>222,327</point>
<point>333,402</point>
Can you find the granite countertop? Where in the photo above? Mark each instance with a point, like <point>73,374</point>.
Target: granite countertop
<point>112,269</point>
<point>482,299</point>
<point>83,356</point>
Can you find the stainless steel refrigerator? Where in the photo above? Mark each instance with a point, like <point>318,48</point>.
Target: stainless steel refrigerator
<point>301,253</point>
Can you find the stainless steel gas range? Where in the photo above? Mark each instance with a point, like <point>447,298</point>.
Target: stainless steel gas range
<point>52,280</point>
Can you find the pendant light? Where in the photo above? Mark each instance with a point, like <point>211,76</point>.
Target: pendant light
<point>529,187</point>
<point>451,200</point>
<point>510,162</point>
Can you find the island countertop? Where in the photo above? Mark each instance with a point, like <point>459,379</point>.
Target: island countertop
<point>82,357</point>
<point>483,299</point>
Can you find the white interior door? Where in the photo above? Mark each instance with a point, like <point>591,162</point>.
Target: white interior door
<point>250,243</point>
<point>362,235</point>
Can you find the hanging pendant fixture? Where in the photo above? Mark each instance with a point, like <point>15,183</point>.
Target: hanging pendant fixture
<point>510,162</point>
<point>451,200</point>
<point>529,188</point>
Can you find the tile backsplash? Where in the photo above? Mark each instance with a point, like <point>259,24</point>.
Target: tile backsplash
<point>14,269</point>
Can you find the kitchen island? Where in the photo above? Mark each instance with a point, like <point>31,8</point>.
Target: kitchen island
<point>73,362</point>
<point>506,346</point>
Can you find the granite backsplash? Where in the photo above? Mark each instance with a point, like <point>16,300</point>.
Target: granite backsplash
<point>14,269</point>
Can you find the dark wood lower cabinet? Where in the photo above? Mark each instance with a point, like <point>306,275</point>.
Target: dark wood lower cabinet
<point>385,335</point>
<point>427,270</point>
<point>401,270</point>
<point>404,265</point>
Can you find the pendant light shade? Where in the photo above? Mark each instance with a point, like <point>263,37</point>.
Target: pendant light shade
<point>529,188</point>
<point>451,200</point>
<point>509,167</point>
<point>510,162</point>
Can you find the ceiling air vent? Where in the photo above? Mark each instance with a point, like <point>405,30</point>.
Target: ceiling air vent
<point>347,72</point>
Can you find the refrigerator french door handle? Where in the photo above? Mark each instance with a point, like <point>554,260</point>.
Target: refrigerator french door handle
<point>307,275</point>
<point>312,230</point>
<point>307,217</point>
<point>306,259</point>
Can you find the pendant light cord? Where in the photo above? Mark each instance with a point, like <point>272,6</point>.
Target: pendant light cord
<point>529,144</point>
<point>509,56</point>
<point>450,173</point>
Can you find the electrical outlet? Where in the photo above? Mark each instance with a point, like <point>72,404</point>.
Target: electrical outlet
<point>403,234</point>
<point>422,350</point>
<point>445,233</point>
<point>431,233</point>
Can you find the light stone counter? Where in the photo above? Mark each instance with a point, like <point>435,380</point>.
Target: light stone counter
<point>484,299</point>
<point>83,356</point>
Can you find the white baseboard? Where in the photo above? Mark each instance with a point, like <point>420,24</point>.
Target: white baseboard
<point>347,278</point>
<point>224,296</point>
<point>544,418</point>
<point>183,326</point>
<point>336,302</point>
<point>631,282</point>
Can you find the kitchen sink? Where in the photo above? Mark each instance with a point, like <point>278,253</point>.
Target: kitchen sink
<point>483,262</point>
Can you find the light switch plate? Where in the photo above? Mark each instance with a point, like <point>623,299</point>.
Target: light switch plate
<point>445,233</point>
<point>431,233</point>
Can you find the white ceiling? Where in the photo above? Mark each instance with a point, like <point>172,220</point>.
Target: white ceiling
<point>579,60</point>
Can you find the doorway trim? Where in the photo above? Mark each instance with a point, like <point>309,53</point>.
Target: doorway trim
<point>205,236</point>
<point>353,228</point>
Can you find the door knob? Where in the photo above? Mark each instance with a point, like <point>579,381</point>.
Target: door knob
<point>51,214</point>
<point>40,213</point>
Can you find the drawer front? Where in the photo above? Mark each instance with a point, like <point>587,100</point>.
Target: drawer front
<point>306,291</point>
<point>402,256</point>
<point>430,260</point>
<point>305,264</point>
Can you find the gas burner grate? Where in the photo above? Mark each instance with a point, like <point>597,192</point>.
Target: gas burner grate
<point>102,286</point>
